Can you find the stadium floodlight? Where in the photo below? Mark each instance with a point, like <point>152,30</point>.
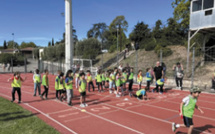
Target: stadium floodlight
<point>68,35</point>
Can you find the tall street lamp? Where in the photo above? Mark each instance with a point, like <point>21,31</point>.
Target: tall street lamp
<point>13,40</point>
<point>117,49</point>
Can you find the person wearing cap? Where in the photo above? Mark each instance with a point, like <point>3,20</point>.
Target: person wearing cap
<point>178,68</point>
<point>187,108</point>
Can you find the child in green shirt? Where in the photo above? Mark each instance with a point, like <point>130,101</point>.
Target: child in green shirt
<point>187,108</point>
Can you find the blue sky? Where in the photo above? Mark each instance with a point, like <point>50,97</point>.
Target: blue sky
<point>41,20</point>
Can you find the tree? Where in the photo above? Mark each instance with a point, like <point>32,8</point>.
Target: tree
<point>121,24</point>
<point>182,13</point>
<point>27,44</point>
<point>5,44</point>
<point>157,30</point>
<point>89,48</point>
<point>97,31</point>
<point>52,42</point>
<point>140,34</point>
<point>49,44</point>
<point>12,45</point>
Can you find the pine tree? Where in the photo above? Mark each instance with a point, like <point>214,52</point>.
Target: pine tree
<point>49,44</point>
<point>52,42</point>
<point>5,45</point>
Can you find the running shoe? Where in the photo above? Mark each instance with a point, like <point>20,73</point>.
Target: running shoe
<point>82,105</point>
<point>117,95</point>
<point>173,127</point>
<point>85,104</point>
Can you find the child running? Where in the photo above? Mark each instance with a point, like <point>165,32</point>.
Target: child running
<point>142,92</point>
<point>57,83</point>
<point>139,78</point>
<point>148,78</point>
<point>69,87</point>
<point>187,108</point>
<point>37,82</point>
<point>45,83</point>
<point>89,80</point>
<point>82,90</point>
<point>16,85</point>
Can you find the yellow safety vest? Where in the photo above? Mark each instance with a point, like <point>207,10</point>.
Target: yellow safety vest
<point>16,83</point>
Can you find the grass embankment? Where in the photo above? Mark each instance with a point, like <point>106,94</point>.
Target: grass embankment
<point>16,120</point>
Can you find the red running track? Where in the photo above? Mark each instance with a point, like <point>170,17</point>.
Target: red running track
<point>107,114</point>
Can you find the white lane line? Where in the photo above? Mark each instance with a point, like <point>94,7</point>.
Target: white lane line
<point>61,111</point>
<point>110,121</point>
<point>78,118</point>
<point>70,130</point>
<point>66,115</point>
<point>151,117</point>
<point>200,106</point>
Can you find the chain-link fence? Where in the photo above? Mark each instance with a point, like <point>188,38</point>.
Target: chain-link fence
<point>21,64</point>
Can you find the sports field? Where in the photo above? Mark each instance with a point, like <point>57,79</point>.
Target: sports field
<point>107,114</point>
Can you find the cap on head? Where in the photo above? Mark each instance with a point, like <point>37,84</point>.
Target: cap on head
<point>195,89</point>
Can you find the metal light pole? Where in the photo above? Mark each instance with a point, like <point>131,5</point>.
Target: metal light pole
<point>13,40</point>
<point>117,49</point>
<point>68,35</point>
<point>102,54</point>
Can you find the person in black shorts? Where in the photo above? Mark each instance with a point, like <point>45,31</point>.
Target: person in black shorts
<point>158,73</point>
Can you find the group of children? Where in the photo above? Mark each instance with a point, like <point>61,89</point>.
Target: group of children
<point>115,80</point>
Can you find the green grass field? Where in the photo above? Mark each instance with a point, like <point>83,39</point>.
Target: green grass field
<point>16,120</point>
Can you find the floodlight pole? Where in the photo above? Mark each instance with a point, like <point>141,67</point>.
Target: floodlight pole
<point>117,49</point>
<point>68,35</point>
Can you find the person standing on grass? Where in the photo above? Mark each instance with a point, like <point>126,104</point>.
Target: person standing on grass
<point>158,73</point>
<point>148,78</point>
<point>187,108</point>
<point>16,85</point>
<point>45,83</point>
<point>130,80</point>
<point>69,87</point>
<point>139,78</point>
<point>82,90</point>
<point>37,82</point>
<point>178,68</point>
<point>213,81</point>
<point>57,83</point>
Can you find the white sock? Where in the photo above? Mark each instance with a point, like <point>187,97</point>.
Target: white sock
<point>177,125</point>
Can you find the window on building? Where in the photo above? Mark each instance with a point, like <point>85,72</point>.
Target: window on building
<point>197,5</point>
<point>208,4</point>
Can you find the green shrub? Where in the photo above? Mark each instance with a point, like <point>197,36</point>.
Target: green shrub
<point>150,46</point>
<point>165,51</point>
<point>112,49</point>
